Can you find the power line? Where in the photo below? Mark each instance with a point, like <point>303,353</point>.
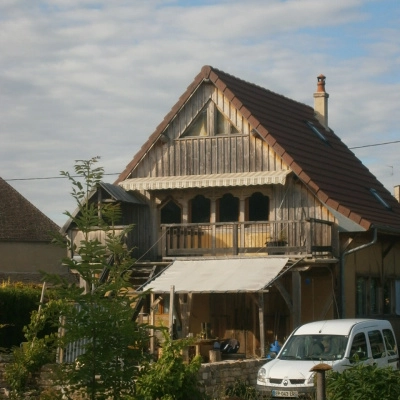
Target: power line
<point>374,145</point>
<point>49,177</point>
<point>116,173</point>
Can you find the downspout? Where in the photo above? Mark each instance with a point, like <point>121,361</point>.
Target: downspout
<point>342,257</point>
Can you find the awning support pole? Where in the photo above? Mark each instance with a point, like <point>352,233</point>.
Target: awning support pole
<point>152,322</point>
<point>261,318</point>
<point>171,311</point>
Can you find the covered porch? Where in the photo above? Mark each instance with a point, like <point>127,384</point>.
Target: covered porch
<point>252,300</point>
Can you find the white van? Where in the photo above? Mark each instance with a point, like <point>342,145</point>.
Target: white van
<point>339,343</point>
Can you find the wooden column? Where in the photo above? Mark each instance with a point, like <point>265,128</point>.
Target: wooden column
<point>296,298</point>
<point>242,215</point>
<point>152,323</point>
<point>261,318</point>
<point>213,218</point>
<point>171,310</point>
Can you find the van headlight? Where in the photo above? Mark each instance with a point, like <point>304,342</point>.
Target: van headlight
<point>310,380</point>
<point>262,375</point>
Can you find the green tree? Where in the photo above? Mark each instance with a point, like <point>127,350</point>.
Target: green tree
<point>99,319</point>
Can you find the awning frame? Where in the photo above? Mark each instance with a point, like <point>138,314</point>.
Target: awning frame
<point>245,275</point>
<point>206,181</point>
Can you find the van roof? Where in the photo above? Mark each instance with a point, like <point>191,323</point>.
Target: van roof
<point>337,326</point>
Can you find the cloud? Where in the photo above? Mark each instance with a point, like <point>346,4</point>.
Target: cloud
<point>81,78</point>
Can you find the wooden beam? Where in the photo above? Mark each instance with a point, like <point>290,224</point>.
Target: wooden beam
<point>284,294</point>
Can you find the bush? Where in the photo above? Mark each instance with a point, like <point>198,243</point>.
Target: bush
<point>363,382</point>
<point>243,391</point>
<point>170,378</point>
<point>17,301</point>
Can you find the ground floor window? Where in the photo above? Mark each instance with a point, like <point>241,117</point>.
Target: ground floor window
<point>368,299</point>
<point>373,297</point>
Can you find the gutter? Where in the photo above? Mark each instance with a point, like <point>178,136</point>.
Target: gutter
<point>342,257</point>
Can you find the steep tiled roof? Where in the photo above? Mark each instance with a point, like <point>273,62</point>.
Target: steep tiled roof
<point>330,170</point>
<point>20,220</point>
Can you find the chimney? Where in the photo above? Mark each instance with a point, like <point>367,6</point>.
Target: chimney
<point>321,102</point>
<point>397,193</point>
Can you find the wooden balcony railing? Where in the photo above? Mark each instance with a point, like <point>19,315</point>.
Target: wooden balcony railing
<point>306,237</point>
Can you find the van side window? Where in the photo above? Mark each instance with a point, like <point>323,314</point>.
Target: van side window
<point>390,342</point>
<point>376,343</point>
<point>358,349</point>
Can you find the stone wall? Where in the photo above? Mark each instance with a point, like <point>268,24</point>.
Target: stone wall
<point>214,377</point>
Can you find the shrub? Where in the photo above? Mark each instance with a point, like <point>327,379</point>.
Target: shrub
<point>17,301</point>
<point>363,382</point>
<point>170,378</point>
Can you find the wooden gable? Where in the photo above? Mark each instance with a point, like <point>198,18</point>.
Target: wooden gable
<point>186,149</point>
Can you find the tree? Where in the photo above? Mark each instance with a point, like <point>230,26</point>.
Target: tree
<point>99,319</point>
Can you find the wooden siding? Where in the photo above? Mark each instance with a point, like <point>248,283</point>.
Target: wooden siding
<point>139,239</point>
<point>229,153</point>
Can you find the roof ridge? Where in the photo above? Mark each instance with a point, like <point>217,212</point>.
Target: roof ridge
<point>286,98</point>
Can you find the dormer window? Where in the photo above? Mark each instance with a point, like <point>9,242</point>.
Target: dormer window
<point>210,122</point>
<point>380,199</point>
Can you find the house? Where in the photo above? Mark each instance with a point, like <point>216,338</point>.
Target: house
<point>25,236</point>
<point>259,218</point>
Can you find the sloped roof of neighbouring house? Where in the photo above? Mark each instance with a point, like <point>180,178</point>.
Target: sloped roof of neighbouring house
<point>20,220</point>
<point>329,169</point>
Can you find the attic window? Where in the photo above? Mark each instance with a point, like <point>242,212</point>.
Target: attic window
<point>380,199</point>
<point>317,132</point>
<point>210,122</point>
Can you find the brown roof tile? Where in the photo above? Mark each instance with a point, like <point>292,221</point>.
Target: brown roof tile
<point>329,168</point>
<point>21,221</point>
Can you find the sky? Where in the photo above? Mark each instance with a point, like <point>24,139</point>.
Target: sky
<point>86,78</point>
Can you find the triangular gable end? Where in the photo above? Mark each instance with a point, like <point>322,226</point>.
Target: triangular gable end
<point>210,121</point>
<point>207,114</point>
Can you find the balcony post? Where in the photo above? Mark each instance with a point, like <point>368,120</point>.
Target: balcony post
<point>235,249</point>
<point>164,241</point>
<point>213,218</point>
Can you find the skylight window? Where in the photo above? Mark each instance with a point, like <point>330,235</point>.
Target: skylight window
<point>380,199</point>
<point>317,132</point>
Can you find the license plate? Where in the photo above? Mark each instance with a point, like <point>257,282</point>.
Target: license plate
<point>285,393</point>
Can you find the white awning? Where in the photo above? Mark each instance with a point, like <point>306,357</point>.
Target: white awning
<point>205,181</point>
<point>218,275</point>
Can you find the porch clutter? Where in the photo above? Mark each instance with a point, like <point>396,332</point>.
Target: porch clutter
<point>230,346</point>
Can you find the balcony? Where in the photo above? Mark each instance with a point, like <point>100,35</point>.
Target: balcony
<point>305,238</point>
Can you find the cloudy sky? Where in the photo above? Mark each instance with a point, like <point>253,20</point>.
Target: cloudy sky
<point>85,78</point>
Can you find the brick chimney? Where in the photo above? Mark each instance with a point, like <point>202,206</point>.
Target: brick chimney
<point>321,102</point>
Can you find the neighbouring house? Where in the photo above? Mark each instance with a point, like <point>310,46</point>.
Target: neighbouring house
<point>254,217</point>
<point>25,239</point>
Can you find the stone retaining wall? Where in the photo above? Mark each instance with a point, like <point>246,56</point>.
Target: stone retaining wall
<point>214,377</point>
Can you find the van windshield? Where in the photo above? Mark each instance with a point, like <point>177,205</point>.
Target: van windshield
<point>314,347</point>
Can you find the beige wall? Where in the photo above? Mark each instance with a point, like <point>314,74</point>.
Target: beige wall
<point>381,260</point>
<point>31,257</point>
